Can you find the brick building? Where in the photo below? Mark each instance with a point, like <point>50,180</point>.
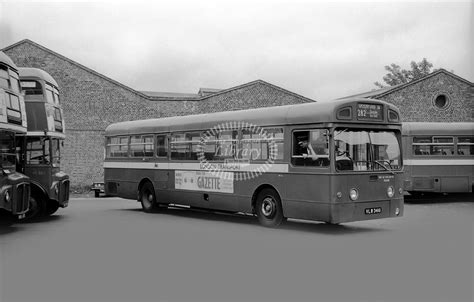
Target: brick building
<point>440,96</point>
<point>92,101</point>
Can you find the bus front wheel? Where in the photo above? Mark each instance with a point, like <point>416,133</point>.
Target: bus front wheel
<point>268,208</point>
<point>148,198</point>
<point>37,207</point>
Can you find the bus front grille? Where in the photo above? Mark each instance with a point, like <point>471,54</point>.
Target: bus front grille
<point>22,197</point>
<point>64,191</point>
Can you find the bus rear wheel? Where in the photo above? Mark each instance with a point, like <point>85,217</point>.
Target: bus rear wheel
<point>148,198</point>
<point>268,208</point>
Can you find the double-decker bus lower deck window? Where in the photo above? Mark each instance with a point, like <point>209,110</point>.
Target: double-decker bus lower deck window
<point>56,151</point>
<point>7,150</point>
<point>366,150</point>
<point>37,151</point>
<point>311,148</point>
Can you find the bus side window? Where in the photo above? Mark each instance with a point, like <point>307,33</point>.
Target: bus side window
<point>161,146</point>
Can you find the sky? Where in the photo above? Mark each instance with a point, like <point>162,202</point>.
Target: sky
<point>319,49</point>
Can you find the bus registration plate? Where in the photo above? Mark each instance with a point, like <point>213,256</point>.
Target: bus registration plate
<point>372,211</point>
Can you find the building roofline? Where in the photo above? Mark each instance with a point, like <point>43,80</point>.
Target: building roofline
<point>76,64</point>
<point>150,97</point>
<point>390,89</point>
<point>253,83</point>
<point>434,73</point>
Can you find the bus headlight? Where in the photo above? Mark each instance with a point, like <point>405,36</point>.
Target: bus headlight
<point>7,196</point>
<point>390,191</point>
<point>353,194</point>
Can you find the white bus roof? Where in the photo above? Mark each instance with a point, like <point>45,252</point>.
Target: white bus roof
<point>268,116</point>
<point>26,72</point>
<point>7,61</point>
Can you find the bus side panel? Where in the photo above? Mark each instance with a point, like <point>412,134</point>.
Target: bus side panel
<point>124,182</point>
<point>439,179</point>
<point>296,203</point>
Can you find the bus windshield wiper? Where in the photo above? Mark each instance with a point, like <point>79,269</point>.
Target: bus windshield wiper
<point>380,163</point>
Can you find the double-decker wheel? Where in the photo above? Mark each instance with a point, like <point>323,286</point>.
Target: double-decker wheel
<point>36,208</point>
<point>148,198</point>
<point>51,208</point>
<point>268,208</point>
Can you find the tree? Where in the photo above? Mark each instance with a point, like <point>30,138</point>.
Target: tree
<point>398,76</point>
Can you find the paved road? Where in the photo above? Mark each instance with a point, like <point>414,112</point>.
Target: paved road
<point>108,250</point>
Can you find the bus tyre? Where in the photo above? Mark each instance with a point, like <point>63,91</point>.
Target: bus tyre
<point>268,208</point>
<point>37,207</point>
<point>148,198</point>
<point>51,208</point>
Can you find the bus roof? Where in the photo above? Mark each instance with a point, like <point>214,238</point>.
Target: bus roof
<point>7,61</point>
<point>268,116</point>
<point>435,128</point>
<point>27,72</point>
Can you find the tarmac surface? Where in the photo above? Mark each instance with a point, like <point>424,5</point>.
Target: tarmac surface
<point>107,249</point>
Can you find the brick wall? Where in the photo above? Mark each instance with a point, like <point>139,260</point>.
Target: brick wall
<point>92,101</point>
<point>416,101</point>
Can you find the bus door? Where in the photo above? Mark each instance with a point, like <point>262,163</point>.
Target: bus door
<point>162,171</point>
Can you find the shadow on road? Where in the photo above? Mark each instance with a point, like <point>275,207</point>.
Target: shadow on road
<point>7,229</point>
<point>438,198</point>
<point>292,225</point>
<point>46,219</point>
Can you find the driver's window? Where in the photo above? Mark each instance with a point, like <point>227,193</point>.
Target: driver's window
<point>37,151</point>
<point>310,148</point>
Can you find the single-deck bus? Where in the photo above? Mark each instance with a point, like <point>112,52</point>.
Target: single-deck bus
<point>43,143</point>
<point>14,186</point>
<point>336,161</point>
<point>439,157</point>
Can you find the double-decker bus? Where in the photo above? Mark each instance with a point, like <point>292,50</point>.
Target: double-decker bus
<point>43,143</point>
<point>14,186</point>
<point>439,157</point>
<point>335,162</point>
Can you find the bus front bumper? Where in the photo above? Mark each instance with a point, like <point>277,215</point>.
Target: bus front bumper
<point>359,211</point>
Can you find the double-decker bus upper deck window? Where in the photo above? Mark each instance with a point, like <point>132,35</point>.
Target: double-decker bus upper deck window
<point>311,148</point>
<point>117,146</point>
<point>465,145</point>
<point>13,107</point>
<point>14,81</point>
<point>49,94</point>
<point>4,77</point>
<point>141,146</point>
<point>366,150</point>
<point>31,87</point>
<point>56,96</point>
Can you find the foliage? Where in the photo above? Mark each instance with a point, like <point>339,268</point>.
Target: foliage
<point>398,76</point>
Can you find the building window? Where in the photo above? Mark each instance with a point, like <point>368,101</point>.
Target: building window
<point>441,101</point>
